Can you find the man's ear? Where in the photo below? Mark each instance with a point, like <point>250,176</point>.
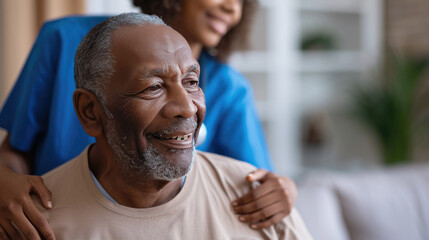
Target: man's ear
<point>89,111</point>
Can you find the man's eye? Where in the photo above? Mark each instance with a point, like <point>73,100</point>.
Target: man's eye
<point>151,91</point>
<point>193,83</point>
<point>154,88</point>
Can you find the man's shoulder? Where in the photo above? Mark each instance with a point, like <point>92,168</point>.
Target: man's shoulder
<point>64,182</point>
<point>66,175</point>
<point>225,163</point>
<point>230,175</point>
<point>59,171</point>
<point>227,172</point>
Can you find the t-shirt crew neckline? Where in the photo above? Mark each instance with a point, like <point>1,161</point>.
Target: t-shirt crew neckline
<point>173,205</point>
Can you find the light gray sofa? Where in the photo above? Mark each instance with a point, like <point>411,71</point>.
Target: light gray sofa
<point>388,204</point>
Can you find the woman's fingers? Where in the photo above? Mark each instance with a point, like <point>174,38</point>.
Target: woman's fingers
<point>42,191</point>
<point>266,216</point>
<point>3,234</point>
<point>11,231</point>
<point>268,203</point>
<point>18,211</point>
<point>37,220</point>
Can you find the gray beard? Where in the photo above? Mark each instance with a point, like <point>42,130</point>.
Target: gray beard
<point>144,164</point>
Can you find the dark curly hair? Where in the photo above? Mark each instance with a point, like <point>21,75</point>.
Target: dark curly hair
<point>237,36</point>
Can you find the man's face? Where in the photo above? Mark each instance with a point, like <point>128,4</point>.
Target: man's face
<point>155,101</point>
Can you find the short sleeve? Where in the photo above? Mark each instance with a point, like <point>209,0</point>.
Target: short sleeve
<point>240,132</point>
<point>25,112</point>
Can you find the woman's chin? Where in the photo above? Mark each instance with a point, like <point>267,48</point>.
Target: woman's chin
<point>211,41</point>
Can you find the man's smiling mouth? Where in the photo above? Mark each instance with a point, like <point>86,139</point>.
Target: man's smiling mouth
<point>179,138</point>
<point>180,135</point>
<point>176,141</point>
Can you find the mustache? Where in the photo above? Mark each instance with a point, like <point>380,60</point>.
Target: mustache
<point>182,125</point>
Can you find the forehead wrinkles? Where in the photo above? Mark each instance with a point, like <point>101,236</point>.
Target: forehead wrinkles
<point>172,57</point>
<point>165,70</point>
<point>174,43</point>
<point>171,51</point>
<point>154,47</point>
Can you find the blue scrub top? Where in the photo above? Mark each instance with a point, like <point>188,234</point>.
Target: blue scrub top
<point>39,113</point>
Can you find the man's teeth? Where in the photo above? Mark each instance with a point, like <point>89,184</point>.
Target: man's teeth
<point>182,138</point>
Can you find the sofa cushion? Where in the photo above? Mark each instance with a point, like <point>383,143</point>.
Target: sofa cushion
<point>392,204</point>
<point>320,210</point>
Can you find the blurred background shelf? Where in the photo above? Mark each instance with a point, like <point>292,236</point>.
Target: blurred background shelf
<point>330,61</point>
<point>251,61</point>
<point>303,61</point>
<point>331,6</point>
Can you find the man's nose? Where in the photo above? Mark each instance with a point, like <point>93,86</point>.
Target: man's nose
<point>179,104</point>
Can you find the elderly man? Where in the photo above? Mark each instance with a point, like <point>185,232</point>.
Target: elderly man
<point>138,95</point>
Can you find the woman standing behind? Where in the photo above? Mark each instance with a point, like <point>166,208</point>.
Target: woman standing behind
<point>213,28</point>
<point>39,105</point>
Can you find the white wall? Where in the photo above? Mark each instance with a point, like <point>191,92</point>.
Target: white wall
<point>112,7</point>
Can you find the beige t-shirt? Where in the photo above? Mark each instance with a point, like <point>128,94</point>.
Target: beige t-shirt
<point>201,210</point>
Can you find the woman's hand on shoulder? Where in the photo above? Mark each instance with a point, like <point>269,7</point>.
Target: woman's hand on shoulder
<point>268,203</point>
<point>18,210</point>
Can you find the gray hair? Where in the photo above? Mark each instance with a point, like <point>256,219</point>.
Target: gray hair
<point>94,60</point>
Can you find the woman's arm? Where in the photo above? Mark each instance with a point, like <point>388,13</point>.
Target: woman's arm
<point>14,160</point>
<point>16,205</point>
